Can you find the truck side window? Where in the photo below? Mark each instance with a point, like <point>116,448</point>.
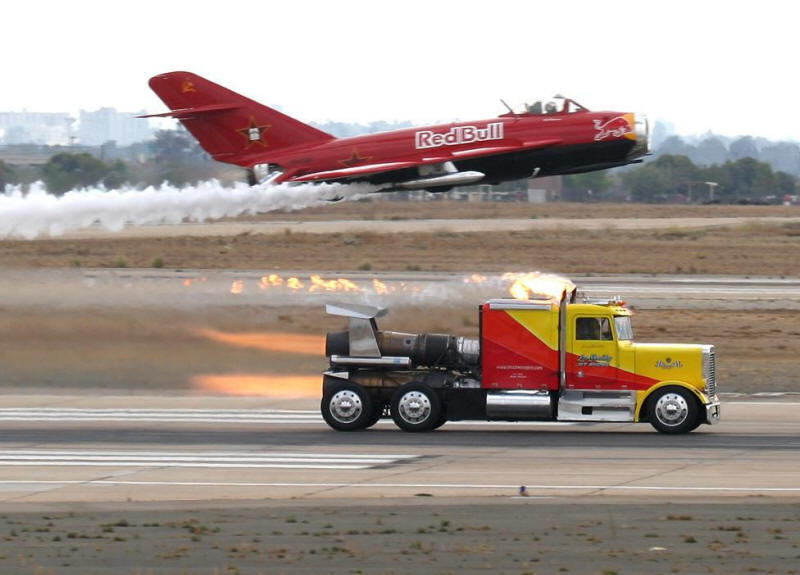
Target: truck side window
<point>593,328</point>
<point>605,329</point>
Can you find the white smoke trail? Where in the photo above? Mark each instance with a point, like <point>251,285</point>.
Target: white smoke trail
<point>39,212</point>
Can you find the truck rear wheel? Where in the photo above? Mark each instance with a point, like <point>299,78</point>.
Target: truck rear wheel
<point>346,407</point>
<point>673,410</point>
<point>416,407</point>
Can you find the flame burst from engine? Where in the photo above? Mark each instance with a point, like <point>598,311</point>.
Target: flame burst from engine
<point>253,384</point>
<point>536,284</point>
<point>302,344</point>
<point>530,285</point>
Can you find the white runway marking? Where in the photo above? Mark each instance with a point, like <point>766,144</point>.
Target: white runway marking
<point>242,416</point>
<point>447,486</point>
<point>163,415</point>
<point>229,459</point>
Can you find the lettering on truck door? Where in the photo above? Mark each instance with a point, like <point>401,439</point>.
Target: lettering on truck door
<point>592,360</point>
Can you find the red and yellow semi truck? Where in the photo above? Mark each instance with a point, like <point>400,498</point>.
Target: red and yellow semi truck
<point>534,360</point>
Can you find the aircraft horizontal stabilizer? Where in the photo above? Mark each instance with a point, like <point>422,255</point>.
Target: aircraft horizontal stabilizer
<point>186,113</point>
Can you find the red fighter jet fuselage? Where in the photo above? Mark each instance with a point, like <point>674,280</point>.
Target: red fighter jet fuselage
<point>556,136</point>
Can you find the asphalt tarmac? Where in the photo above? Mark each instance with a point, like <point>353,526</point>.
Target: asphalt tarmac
<point>57,449</point>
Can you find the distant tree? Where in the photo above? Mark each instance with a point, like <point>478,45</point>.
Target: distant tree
<point>751,179</point>
<point>675,146</point>
<point>670,177</point>
<point>679,175</point>
<point>590,186</point>
<point>744,147</point>
<point>782,156</point>
<point>649,184</point>
<point>710,151</point>
<point>7,175</point>
<point>785,184</point>
<point>64,172</point>
<point>173,146</point>
<point>177,158</point>
<point>118,175</point>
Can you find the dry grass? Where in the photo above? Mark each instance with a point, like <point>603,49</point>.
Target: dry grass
<point>742,250</point>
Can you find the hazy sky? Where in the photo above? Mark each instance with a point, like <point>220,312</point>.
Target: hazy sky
<point>725,66</point>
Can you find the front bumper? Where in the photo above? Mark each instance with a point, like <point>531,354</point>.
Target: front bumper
<point>713,410</point>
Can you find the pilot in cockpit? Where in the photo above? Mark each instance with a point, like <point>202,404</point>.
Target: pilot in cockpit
<point>535,108</point>
<point>550,108</point>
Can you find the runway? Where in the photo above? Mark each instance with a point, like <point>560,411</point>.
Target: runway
<point>143,448</point>
<point>192,289</point>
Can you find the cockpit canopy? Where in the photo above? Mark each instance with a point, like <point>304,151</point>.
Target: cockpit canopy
<point>554,105</point>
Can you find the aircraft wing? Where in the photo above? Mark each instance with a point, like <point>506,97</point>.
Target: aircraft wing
<point>438,157</point>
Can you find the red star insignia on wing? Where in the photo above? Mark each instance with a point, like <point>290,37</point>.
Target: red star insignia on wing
<point>354,159</point>
<point>254,133</point>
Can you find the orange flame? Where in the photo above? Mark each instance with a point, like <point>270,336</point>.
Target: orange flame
<point>379,287</point>
<point>304,344</point>
<point>294,284</point>
<point>270,280</point>
<point>237,287</point>
<point>550,286</point>
<point>319,284</point>
<point>475,279</point>
<point>266,385</point>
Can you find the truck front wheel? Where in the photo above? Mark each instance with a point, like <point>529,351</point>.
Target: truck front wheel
<point>416,407</point>
<point>346,407</point>
<point>673,410</point>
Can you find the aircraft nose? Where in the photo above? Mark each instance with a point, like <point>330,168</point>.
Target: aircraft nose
<point>643,137</point>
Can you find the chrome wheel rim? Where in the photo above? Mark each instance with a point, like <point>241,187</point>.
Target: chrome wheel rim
<point>414,407</point>
<point>346,406</point>
<point>672,409</point>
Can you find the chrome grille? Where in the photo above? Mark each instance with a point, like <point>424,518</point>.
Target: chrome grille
<point>711,374</point>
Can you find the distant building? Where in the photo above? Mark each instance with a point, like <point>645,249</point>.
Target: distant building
<point>108,125</point>
<point>45,128</point>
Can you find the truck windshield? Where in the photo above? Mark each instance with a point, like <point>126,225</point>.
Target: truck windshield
<point>624,328</point>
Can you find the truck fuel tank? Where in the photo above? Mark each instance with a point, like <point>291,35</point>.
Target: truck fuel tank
<point>519,405</point>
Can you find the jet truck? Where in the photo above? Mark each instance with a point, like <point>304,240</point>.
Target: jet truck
<point>551,359</point>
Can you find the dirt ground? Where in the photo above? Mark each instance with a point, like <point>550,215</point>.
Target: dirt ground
<point>510,536</point>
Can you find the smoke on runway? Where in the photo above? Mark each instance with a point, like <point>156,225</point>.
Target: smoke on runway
<point>37,212</point>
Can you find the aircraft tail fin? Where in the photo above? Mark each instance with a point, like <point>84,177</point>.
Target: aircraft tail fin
<point>230,127</point>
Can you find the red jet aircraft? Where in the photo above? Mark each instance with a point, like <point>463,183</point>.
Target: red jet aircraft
<point>557,136</point>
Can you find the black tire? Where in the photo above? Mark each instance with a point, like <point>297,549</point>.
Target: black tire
<point>377,413</point>
<point>673,410</point>
<point>416,407</point>
<point>442,420</point>
<point>346,407</point>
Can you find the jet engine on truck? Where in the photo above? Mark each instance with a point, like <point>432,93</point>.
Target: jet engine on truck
<point>534,360</point>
